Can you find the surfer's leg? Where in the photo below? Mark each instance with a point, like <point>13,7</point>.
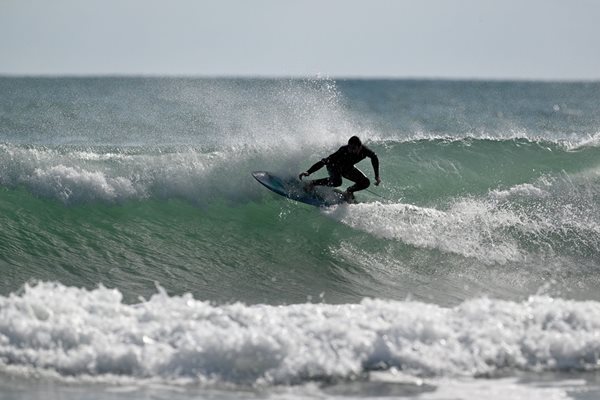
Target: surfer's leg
<point>360,180</point>
<point>319,182</point>
<point>334,180</point>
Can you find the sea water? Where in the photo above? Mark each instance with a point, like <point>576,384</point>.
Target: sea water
<point>140,259</point>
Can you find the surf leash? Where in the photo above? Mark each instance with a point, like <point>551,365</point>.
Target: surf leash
<point>378,195</point>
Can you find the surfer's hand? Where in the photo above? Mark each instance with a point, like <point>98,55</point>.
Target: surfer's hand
<point>377,181</point>
<point>302,175</point>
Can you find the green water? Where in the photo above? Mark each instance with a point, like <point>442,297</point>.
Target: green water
<point>138,255</point>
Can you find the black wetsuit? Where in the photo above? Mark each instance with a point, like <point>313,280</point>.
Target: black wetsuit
<point>341,164</point>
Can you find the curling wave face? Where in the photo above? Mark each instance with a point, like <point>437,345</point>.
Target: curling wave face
<point>510,215</point>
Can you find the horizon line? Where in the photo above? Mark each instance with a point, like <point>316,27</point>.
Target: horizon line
<point>298,77</point>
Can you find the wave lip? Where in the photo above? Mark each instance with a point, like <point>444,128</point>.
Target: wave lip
<point>59,181</point>
<point>80,333</point>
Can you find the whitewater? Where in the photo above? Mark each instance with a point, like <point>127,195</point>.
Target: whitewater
<point>139,258</point>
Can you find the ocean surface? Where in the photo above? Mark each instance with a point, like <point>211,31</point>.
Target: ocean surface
<point>139,259</point>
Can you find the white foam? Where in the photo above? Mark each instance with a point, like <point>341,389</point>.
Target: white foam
<point>80,333</point>
<point>569,142</point>
<point>522,190</point>
<point>586,141</point>
<point>505,225</point>
<point>470,228</point>
<point>73,176</point>
<point>71,184</point>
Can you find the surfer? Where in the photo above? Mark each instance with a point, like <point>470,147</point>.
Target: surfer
<point>341,164</point>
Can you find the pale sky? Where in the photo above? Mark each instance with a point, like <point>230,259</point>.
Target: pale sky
<point>498,39</point>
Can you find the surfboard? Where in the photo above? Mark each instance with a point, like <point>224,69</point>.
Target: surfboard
<point>295,189</point>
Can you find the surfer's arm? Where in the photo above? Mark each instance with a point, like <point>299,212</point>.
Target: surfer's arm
<point>320,164</point>
<point>317,166</point>
<point>375,163</point>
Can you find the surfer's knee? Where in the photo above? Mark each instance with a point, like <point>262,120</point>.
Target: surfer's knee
<point>365,183</point>
<point>335,181</point>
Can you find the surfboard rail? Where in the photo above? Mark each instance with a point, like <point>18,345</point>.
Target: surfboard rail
<point>294,189</point>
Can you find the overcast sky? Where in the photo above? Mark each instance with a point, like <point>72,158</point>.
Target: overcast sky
<point>500,39</point>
